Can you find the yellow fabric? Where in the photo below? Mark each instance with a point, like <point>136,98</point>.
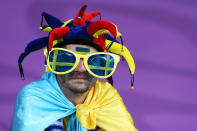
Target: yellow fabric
<point>100,32</point>
<point>123,51</point>
<point>117,49</point>
<point>104,31</point>
<point>66,22</point>
<point>104,108</point>
<point>55,42</point>
<point>118,33</point>
<point>47,29</point>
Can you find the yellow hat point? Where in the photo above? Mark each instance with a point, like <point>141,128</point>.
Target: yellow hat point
<point>132,88</point>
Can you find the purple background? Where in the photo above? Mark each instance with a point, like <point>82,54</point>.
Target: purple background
<point>161,35</point>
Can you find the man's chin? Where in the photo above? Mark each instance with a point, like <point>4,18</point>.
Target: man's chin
<point>78,86</point>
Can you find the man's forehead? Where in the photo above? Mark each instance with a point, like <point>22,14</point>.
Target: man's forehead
<point>80,48</point>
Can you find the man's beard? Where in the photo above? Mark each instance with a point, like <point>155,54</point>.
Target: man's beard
<point>66,78</point>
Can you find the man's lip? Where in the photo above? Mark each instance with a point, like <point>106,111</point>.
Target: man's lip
<point>79,78</point>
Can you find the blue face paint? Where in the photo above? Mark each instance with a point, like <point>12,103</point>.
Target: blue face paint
<point>82,50</point>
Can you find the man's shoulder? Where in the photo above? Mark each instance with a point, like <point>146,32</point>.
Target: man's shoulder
<point>103,87</point>
<point>103,84</point>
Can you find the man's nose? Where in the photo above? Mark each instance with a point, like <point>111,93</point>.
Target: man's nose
<point>80,67</point>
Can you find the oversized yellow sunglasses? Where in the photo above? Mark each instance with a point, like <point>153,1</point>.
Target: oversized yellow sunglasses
<point>99,64</point>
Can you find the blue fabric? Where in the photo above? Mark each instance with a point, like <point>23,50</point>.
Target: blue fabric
<point>56,126</point>
<point>40,104</point>
<point>52,21</point>
<point>33,46</point>
<point>78,32</point>
<point>109,37</point>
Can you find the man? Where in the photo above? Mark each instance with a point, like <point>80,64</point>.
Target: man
<point>75,85</point>
<point>69,96</point>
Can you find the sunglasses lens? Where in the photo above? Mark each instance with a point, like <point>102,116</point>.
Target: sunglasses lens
<point>101,64</point>
<point>61,61</point>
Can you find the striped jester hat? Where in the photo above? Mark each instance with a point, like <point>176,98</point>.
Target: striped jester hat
<point>100,34</point>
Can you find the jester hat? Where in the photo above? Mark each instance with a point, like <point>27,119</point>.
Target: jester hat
<point>100,34</point>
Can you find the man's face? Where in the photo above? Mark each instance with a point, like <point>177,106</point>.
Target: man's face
<point>79,80</point>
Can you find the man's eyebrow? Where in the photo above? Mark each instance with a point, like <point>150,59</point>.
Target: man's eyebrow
<point>81,49</point>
